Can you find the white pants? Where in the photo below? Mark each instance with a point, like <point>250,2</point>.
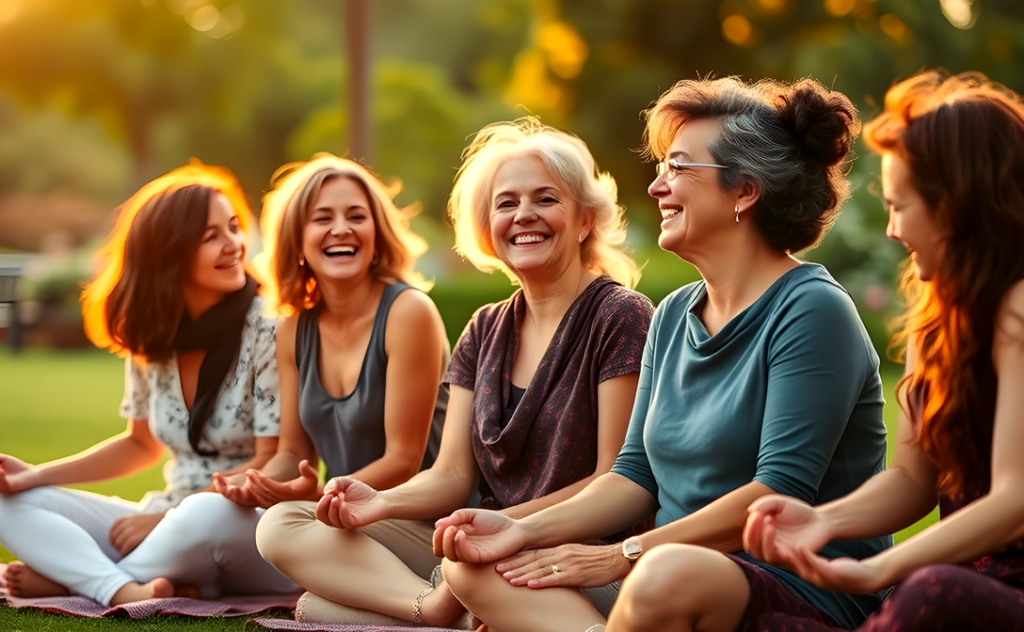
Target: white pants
<point>207,541</point>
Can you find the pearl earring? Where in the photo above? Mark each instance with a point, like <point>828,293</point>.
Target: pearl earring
<point>737,214</point>
<point>302,261</point>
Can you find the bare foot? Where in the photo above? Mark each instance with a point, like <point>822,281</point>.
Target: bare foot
<point>440,607</point>
<point>159,588</point>
<point>22,581</point>
<point>187,591</point>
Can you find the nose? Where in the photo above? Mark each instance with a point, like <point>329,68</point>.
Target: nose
<point>890,229</point>
<point>658,188</point>
<point>525,215</point>
<point>340,226</point>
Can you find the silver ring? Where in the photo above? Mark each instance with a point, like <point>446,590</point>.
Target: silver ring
<point>554,569</point>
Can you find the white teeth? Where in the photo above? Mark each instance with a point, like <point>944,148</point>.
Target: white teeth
<point>532,238</point>
<point>341,250</point>
<point>669,213</point>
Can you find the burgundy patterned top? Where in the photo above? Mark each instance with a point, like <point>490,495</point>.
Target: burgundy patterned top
<point>551,440</point>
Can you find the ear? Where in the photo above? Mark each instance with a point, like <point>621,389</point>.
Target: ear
<point>589,217</point>
<point>747,194</point>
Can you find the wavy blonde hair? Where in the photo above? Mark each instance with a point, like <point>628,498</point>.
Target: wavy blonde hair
<point>136,302</point>
<point>292,288</point>
<point>570,162</point>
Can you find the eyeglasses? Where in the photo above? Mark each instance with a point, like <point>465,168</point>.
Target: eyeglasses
<point>671,168</point>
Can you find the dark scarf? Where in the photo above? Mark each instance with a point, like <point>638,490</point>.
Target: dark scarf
<point>219,333</point>
<point>518,461</point>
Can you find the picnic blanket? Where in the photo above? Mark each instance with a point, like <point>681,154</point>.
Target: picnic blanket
<point>235,606</point>
<point>287,624</point>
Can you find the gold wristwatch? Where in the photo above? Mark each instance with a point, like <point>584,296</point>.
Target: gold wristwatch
<point>631,549</point>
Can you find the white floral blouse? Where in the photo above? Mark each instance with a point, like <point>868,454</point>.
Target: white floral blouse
<point>247,407</point>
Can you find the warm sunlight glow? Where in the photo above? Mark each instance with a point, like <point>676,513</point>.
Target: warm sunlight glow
<point>8,11</point>
<point>565,48</point>
<point>959,12</point>
<point>895,28</point>
<point>839,8</point>
<point>204,18</point>
<point>530,85</point>
<point>737,29</point>
<point>772,6</point>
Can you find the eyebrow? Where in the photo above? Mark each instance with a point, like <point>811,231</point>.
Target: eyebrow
<point>540,189</point>
<point>680,154</point>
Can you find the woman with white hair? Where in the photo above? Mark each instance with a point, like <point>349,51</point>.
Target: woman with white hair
<point>541,384</point>
<point>756,379</point>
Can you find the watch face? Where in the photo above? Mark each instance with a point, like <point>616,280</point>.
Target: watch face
<point>632,548</point>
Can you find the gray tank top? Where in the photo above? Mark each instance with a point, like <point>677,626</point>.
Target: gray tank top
<point>348,431</point>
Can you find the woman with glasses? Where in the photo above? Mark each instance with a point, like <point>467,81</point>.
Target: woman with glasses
<point>758,379</point>
<point>953,180</point>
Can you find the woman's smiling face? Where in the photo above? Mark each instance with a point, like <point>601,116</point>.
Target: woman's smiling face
<point>910,219</point>
<point>534,220</point>
<point>339,237</point>
<point>692,203</point>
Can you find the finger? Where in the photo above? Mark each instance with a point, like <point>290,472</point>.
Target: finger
<point>448,544</point>
<point>437,541</point>
<point>524,576</point>
<point>341,516</point>
<point>323,507</point>
<point>308,471</point>
<point>752,533</point>
<point>519,560</point>
<point>128,545</point>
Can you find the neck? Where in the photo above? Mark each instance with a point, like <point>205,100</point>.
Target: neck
<point>199,301</point>
<point>737,273</point>
<point>343,300</point>
<point>549,296</point>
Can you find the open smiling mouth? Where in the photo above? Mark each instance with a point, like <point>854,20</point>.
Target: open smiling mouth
<point>528,238</point>
<point>228,266</point>
<point>669,213</point>
<point>336,252</point>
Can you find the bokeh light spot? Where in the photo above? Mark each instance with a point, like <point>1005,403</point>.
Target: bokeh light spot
<point>736,29</point>
<point>772,6</point>
<point>8,11</point>
<point>959,12</point>
<point>204,18</point>
<point>565,48</point>
<point>839,8</point>
<point>895,28</point>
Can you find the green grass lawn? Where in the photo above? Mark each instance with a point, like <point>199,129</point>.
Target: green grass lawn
<point>53,404</point>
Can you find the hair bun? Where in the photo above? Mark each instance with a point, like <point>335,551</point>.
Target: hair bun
<point>823,122</point>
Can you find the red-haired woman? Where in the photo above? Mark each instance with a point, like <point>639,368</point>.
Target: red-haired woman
<point>953,180</point>
<point>201,382</point>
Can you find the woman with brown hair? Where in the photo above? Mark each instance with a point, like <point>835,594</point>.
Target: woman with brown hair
<point>360,348</point>
<point>201,382</point>
<point>953,184</point>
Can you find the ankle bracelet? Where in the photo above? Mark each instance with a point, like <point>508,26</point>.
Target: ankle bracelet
<point>417,605</point>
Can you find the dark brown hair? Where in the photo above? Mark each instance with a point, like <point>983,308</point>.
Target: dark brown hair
<point>794,140</point>
<point>963,139</point>
<point>136,302</point>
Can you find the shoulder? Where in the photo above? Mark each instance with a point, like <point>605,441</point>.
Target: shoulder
<point>258,319</point>
<point>412,307</point>
<point>1010,316</point>
<point>810,288</point>
<point>620,301</point>
<point>680,301</point>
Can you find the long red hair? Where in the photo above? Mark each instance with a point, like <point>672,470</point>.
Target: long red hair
<point>136,302</point>
<point>963,138</point>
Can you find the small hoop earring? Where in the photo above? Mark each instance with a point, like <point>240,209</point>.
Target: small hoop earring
<point>580,237</point>
<point>376,258</point>
<point>737,214</point>
<point>302,261</point>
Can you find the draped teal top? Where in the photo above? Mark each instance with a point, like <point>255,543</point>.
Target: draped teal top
<point>786,394</point>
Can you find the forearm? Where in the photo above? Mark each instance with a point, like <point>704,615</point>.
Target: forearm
<point>888,502</point>
<point>118,456</point>
<point>387,472</point>
<point>607,505</point>
<point>531,507</point>
<point>718,525</point>
<point>432,493</point>
<point>984,526</point>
